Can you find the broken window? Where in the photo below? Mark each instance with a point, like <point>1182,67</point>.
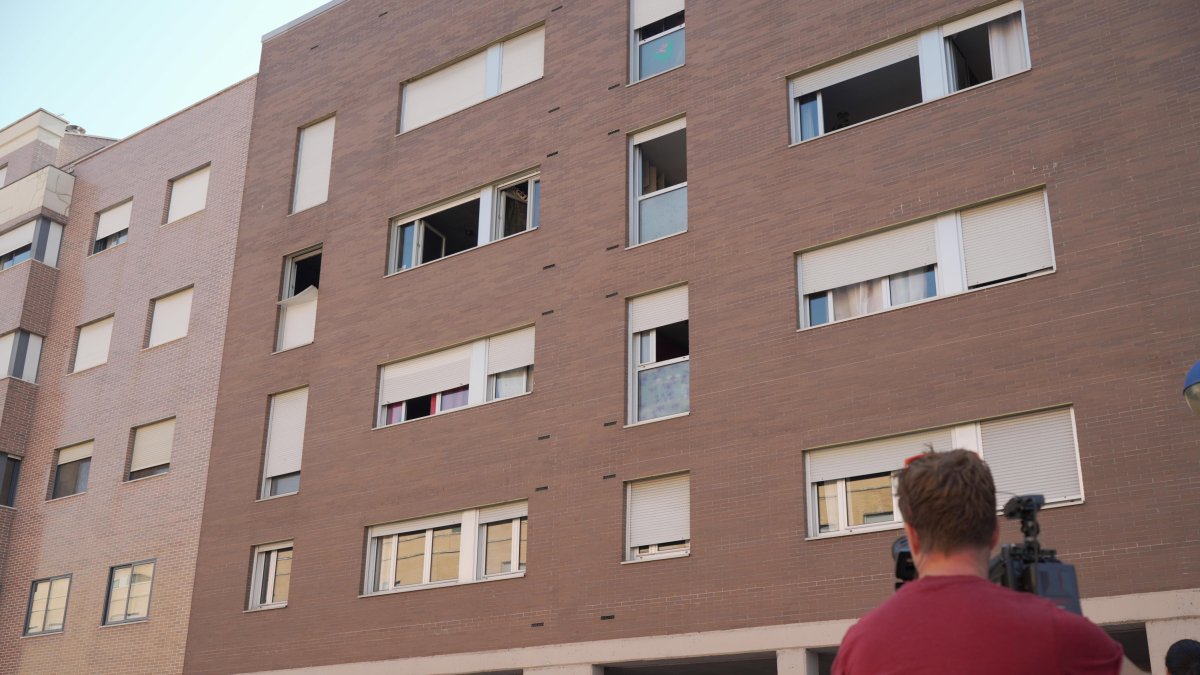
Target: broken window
<point>494,212</point>
<point>298,308</point>
<point>659,182</point>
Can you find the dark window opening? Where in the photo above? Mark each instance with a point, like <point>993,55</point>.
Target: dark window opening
<point>416,408</point>
<point>671,341</point>
<point>664,161</point>
<point>10,470</point>
<point>1132,637</point>
<point>1000,281</point>
<point>149,471</point>
<point>436,236</point>
<point>872,94</point>
<point>661,26</point>
<point>110,241</point>
<point>306,272</point>
<point>518,207</point>
<point>71,478</point>
<point>970,54</point>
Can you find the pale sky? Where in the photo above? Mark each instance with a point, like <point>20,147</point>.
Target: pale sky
<point>117,66</point>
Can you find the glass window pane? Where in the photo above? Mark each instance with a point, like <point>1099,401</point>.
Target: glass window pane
<point>537,203</point>
<point>383,563</point>
<point>809,124</point>
<point>524,542</point>
<point>913,285</point>
<point>858,299</point>
<point>498,556</point>
<point>660,54</point>
<point>407,245</point>
<point>139,591</point>
<point>445,553</point>
<point>56,605</point>
<point>455,398</point>
<point>662,215</point>
<point>283,575</point>
<point>118,593</point>
<point>818,309</point>
<point>870,499</point>
<point>509,383</point>
<point>663,391</point>
<point>828,510</point>
<point>285,484</point>
<point>514,209</point>
<point>645,347</point>
<point>410,559</point>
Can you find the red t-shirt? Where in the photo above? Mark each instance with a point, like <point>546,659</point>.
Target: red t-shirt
<point>966,624</point>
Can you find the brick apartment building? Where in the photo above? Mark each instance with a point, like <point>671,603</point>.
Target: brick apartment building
<point>116,259</point>
<point>500,392</point>
<point>618,344</point>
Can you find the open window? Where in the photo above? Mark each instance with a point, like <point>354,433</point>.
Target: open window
<point>298,306</point>
<point>916,68</point>
<point>659,182</point>
<point>479,217</point>
<point>10,473</point>
<point>985,47</point>
<point>658,37</point>
<point>661,355</point>
<point>271,578</point>
<point>112,226</point>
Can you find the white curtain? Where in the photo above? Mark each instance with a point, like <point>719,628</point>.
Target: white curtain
<point>1007,41</point>
<point>858,299</point>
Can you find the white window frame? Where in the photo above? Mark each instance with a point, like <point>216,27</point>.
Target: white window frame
<point>289,273</point>
<point>481,554</point>
<point>635,56</point>
<point>843,495</point>
<point>639,366</point>
<point>887,297</point>
<point>488,229</point>
<point>266,558</point>
<point>526,379</point>
<point>935,69</point>
<point>635,182</point>
<point>949,270</point>
<point>471,550</point>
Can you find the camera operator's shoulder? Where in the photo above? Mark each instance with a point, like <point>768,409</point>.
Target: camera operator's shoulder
<point>1083,647</point>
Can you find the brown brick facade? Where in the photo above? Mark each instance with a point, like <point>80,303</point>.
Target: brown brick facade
<point>117,521</point>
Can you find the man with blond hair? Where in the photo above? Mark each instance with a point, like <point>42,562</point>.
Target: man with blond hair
<point>952,619</point>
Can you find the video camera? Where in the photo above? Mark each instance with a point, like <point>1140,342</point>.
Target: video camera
<point>1025,567</point>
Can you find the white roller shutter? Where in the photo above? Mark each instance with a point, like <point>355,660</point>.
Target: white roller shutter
<point>981,18</point>
<point>660,130</point>
<point>16,238</point>
<point>440,371</point>
<point>171,316</point>
<point>855,66</point>
<point>75,453</point>
<point>522,59</point>
<point>658,309</point>
<point>648,11</point>
<point>188,195</point>
<point>152,445</point>
<point>444,92</point>
<point>298,319</point>
<point>1033,454</point>
<point>285,432</point>
<point>660,510</point>
<point>314,156</point>
<point>869,257</point>
<point>492,514</point>
<point>92,348</point>
<point>418,524</point>
<point>1007,238</point>
<point>114,220</point>
<point>510,350</point>
<point>883,455</point>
